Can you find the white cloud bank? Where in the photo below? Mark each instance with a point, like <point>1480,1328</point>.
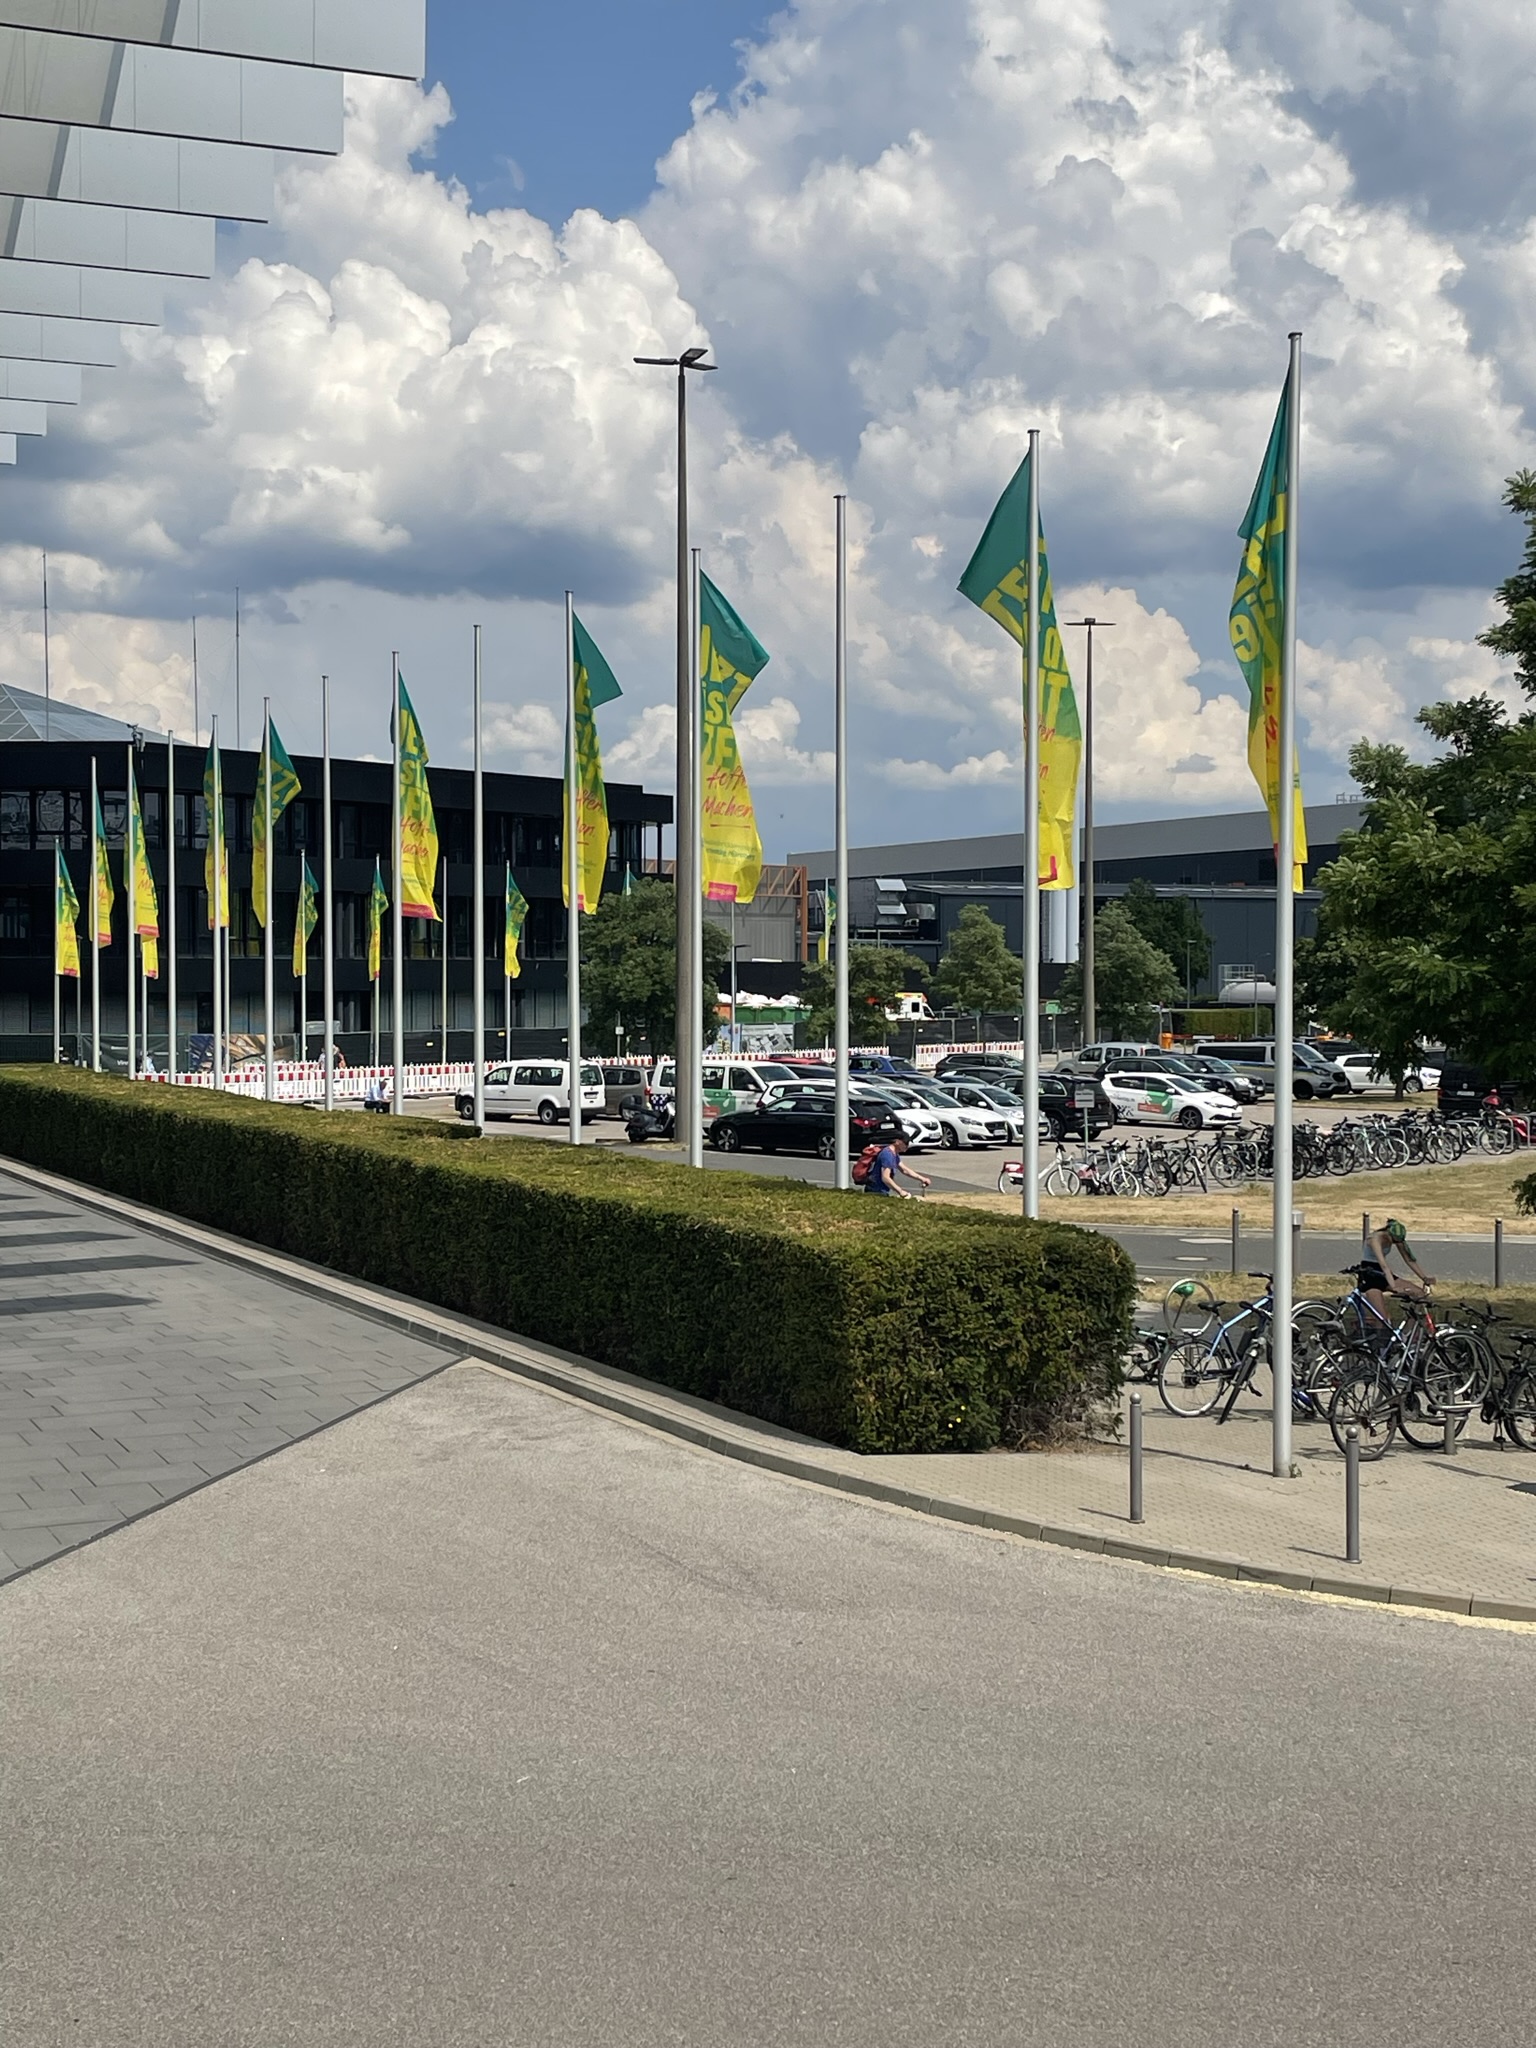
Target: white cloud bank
<point>913,234</point>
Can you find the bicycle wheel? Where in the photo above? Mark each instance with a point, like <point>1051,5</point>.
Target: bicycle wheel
<point>1190,1308</point>
<point>1191,1378</point>
<point>1063,1180</point>
<point>1365,1399</point>
<point>1225,1167</point>
<point>1517,1405</point>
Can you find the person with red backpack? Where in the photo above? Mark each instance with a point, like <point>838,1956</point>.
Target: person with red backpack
<point>881,1164</point>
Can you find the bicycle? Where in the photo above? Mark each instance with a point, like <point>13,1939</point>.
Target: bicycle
<point>1203,1365</point>
<point>1398,1379</point>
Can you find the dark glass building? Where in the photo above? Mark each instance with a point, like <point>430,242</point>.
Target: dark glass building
<point>44,801</point>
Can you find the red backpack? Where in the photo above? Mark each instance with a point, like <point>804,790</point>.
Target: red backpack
<point>863,1163</point>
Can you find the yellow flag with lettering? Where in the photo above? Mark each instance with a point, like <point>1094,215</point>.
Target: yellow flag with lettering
<point>378,903</point>
<point>997,579</point>
<point>105,894</point>
<point>66,912</point>
<point>730,657</point>
<point>595,685</point>
<point>146,907</point>
<point>1257,625</point>
<point>512,934</point>
<point>418,824</point>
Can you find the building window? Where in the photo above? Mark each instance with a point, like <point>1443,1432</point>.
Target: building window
<point>114,812</point>
<point>16,820</point>
<point>61,818</point>
<point>15,920</point>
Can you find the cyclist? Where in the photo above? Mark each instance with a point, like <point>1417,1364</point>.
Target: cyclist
<point>1378,1280</point>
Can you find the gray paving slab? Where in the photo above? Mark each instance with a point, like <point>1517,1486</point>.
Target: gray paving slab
<point>113,1402</point>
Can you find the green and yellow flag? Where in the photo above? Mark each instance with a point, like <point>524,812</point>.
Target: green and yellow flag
<point>1257,624</point>
<point>512,935</point>
<point>305,921</point>
<point>146,907</point>
<point>105,894</point>
<point>378,903</point>
<point>418,826</point>
<point>66,913</point>
<point>997,579</point>
<point>217,886</point>
<point>277,784</point>
<point>595,684</point>
<point>828,919</point>
<point>730,657</point>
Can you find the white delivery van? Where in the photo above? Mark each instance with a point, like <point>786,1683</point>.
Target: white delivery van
<point>541,1088</point>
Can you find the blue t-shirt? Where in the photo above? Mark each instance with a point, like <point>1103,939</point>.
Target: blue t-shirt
<point>881,1178</point>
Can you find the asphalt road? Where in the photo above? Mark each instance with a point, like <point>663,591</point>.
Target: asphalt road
<point>483,1720</point>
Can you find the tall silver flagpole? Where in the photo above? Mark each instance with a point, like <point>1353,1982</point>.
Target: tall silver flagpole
<point>1285,946</point>
<point>264,798</point>
<point>170,903</point>
<point>95,926</point>
<point>397,915</point>
<point>477,938</point>
<point>131,898</point>
<point>328,986</point>
<point>695,906</point>
<point>213,828</point>
<point>1031,1002</point>
<point>442,883</point>
<point>58,979</point>
<point>841,1171</point>
<point>572,882</point>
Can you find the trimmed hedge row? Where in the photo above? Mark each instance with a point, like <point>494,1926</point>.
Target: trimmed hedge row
<point>877,1325</point>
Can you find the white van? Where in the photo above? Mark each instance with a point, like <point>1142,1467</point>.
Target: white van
<point>1114,1049</point>
<point>540,1088</point>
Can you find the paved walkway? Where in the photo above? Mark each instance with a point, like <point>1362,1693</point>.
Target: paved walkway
<point>133,1371</point>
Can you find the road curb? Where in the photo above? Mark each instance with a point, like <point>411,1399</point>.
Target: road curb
<point>709,1427</point>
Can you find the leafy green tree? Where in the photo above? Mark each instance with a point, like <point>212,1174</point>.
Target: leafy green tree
<point>978,972</point>
<point>876,976</point>
<point>1132,978</point>
<point>1424,933</point>
<point>1173,925</point>
<point>629,967</point>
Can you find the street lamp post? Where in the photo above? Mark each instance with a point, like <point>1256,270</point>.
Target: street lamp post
<point>690,993</point>
<point>1085,877</point>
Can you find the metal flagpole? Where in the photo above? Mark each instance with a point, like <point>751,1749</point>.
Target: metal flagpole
<point>264,798</point>
<point>735,1033</point>
<point>507,1009</point>
<point>477,937</point>
<point>237,668</point>
<point>397,916</point>
<point>303,984</point>
<point>695,922</point>
<point>197,729</point>
<point>328,986</point>
<point>442,875</point>
<point>841,1170</point>
<point>95,925</point>
<point>572,883</point>
<point>131,898</point>
<point>213,832</point>
<point>170,903</point>
<point>47,661</point>
<point>1031,1003</point>
<point>1285,945</point>
<point>1085,879</point>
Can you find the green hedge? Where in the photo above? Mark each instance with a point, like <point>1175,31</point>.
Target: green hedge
<point>879,1325</point>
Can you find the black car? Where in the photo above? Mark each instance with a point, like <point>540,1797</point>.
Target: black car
<point>806,1123</point>
<point>1464,1087</point>
<point>1058,1098</point>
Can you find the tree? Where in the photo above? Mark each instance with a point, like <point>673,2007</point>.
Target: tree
<point>876,976</point>
<point>1424,929</point>
<point>1132,978</point>
<point>1174,926</point>
<point>629,967</point>
<point>978,972</point>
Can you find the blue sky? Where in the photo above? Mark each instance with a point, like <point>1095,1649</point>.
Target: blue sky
<point>570,105</point>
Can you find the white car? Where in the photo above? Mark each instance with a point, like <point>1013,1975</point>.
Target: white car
<point>922,1127</point>
<point>961,1125</point>
<point>1169,1099</point>
<point>1362,1072</point>
<point>979,1095</point>
<point>540,1088</point>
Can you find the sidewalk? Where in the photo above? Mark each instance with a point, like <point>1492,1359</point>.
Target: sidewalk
<point>1457,1533</point>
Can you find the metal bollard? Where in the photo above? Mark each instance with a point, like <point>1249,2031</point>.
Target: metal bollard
<point>1449,1422</point>
<point>1237,1240</point>
<point>1365,1226</point>
<point>1498,1252</point>
<point>1351,1495</point>
<point>1136,1502</point>
<point>1298,1218</point>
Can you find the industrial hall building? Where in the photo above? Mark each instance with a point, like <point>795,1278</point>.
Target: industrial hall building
<point>46,752</point>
